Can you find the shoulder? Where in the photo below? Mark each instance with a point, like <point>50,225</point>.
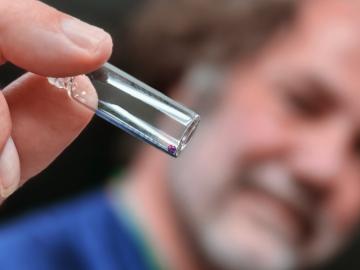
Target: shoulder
<point>81,234</point>
<point>38,239</point>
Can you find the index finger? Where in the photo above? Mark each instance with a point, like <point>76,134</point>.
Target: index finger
<point>45,41</point>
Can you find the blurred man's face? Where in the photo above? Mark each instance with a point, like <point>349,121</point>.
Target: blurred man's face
<point>272,179</point>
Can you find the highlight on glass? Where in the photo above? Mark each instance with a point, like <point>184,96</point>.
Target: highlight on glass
<point>136,108</point>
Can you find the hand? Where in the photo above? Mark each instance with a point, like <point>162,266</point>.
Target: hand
<point>37,121</point>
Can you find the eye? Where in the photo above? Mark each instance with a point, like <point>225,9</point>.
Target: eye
<point>310,99</point>
<point>304,105</point>
<point>356,145</point>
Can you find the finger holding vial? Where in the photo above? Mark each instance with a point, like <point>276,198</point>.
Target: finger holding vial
<point>37,122</point>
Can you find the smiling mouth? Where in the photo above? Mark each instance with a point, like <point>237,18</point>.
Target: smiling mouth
<point>301,221</point>
<point>256,198</point>
<point>270,185</point>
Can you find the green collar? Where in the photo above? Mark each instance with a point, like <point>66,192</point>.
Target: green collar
<point>123,212</point>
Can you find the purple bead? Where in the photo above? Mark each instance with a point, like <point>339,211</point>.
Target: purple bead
<point>172,149</point>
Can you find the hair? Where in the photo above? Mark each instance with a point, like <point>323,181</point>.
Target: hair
<point>167,37</point>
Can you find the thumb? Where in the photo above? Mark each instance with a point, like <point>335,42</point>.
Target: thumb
<point>45,41</point>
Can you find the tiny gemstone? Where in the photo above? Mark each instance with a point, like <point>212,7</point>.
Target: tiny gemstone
<point>172,149</point>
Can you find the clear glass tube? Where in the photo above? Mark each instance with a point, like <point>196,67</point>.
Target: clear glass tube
<point>136,108</point>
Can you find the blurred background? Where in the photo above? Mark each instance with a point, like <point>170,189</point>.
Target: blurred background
<point>101,151</point>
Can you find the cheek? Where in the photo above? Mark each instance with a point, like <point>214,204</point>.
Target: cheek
<point>201,172</point>
<point>262,126</point>
<point>344,204</point>
<point>246,124</point>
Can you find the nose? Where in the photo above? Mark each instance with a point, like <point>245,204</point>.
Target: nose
<point>319,152</point>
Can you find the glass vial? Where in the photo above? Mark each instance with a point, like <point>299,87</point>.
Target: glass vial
<point>136,108</point>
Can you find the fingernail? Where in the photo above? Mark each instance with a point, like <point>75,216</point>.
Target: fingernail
<point>9,169</point>
<point>83,34</point>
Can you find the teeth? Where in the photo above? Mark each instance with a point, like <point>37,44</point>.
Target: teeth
<point>277,181</point>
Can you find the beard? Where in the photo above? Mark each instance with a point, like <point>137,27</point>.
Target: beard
<point>249,247</point>
<point>258,219</point>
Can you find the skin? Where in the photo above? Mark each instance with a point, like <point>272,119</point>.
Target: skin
<point>271,180</point>
<point>37,120</point>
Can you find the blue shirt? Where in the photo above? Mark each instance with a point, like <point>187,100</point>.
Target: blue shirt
<point>82,234</point>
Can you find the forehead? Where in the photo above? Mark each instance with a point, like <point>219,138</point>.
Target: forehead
<point>322,44</point>
<point>327,28</point>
